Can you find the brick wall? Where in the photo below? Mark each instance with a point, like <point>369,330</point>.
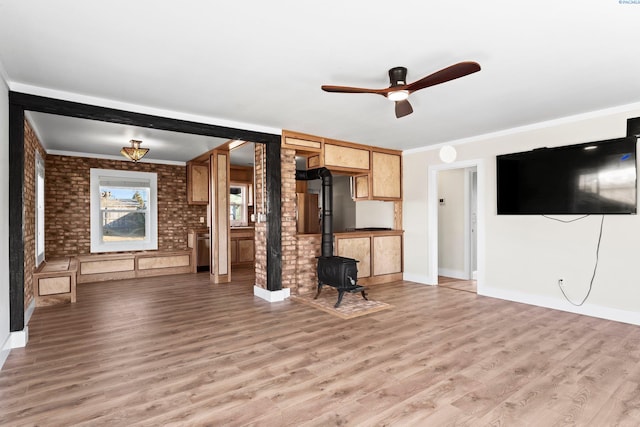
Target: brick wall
<point>288,211</point>
<point>260,227</point>
<point>31,145</point>
<point>309,246</point>
<point>67,203</point>
<point>298,251</point>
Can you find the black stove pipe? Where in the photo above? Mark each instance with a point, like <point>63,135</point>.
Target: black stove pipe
<point>327,201</point>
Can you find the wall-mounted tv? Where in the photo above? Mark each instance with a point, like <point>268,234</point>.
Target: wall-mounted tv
<point>592,178</point>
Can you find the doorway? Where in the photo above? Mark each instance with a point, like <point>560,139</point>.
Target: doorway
<point>456,225</point>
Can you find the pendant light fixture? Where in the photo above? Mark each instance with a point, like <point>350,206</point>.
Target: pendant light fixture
<point>134,152</point>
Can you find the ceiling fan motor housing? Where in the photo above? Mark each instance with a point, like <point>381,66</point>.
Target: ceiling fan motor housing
<point>398,76</point>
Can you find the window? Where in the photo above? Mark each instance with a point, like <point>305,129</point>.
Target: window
<point>238,202</point>
<point>123,211</point>
<point>39,209</point>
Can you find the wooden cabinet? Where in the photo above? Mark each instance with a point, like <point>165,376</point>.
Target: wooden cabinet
<point>360,187</point>
<point>301,142</point>
<point>376,172</point>
<point>346,157</point>
<point>387,255</point>
<point>242,246</point>
<point>379,254</point>
<point>386,176</point>
<point>197,183</point>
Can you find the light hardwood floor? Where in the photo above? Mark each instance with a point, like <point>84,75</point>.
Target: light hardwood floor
<point>180,351</point>
<point>459,284</point>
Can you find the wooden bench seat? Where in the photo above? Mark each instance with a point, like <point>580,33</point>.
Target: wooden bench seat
<point>54,281</point>
<point>130,265</point>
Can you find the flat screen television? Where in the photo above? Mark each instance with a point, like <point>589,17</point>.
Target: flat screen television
<point>592,178</point>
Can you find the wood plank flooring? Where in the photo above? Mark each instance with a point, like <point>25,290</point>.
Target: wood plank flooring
<point>458,284</point>
<point>177,350</point>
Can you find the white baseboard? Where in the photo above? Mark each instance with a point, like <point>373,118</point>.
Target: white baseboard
<point>19,339</point>
<point>631,317</point>
<point>419,278</point>
<point>456,274</point>
<point>271,296</point>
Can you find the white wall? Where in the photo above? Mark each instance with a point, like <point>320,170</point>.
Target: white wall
<point>524,256</point>
<point>374,213</point>
<point>451,216</point>
<point>4,221</point>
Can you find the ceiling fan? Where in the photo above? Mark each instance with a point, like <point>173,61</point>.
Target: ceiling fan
<point>399,90</point>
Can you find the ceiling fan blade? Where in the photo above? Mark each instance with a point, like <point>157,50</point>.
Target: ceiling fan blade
<point>349,89</point>
<point>403,108</point>
<point>453,72</point>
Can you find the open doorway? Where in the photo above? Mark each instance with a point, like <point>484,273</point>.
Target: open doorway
<point>455,225</point>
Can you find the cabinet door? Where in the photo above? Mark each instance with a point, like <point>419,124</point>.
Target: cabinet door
<point>245,250</point>
<point>360,187</point>
<point>387,255</point>
<point>341,156</point>
<point>358,248</point>
<point>197,183</point>
<point>386,176</point>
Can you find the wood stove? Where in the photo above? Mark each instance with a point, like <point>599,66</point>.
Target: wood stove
<point>341,273</point>
<point>336,271</point>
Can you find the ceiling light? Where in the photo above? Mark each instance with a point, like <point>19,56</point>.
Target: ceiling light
<point>398,95</point>
<point>134,152</point>
<point>448,154</point>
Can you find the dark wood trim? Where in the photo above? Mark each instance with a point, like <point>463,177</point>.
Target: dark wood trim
<point>21,102</point>
<point>633,127</point>
<point>274,210</point>
<point>16,204</point>
<point>85,111</point>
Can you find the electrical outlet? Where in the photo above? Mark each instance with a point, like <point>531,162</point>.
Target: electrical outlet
<point>561,282</point>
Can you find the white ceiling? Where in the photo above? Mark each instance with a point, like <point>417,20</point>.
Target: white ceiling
<point>263,62</point>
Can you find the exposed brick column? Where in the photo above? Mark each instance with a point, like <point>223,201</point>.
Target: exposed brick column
<point>260,226</point>
<point>289,240</point>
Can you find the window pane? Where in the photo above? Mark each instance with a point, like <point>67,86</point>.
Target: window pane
<point>238,204</point>
<point>123,213</point>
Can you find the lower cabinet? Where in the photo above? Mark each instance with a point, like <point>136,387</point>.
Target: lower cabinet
<point>379,254</point>
<point>242,246</point>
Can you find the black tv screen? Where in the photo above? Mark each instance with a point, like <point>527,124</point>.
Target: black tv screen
<point>592,178</point>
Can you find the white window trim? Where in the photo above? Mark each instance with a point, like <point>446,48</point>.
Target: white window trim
<point>244,221</point>
<point>151,242</point>
<point>39,238</point>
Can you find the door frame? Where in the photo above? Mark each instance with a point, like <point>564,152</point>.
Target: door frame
<point>432,218</point>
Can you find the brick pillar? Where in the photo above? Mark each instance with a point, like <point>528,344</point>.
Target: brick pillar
<point>289,240</point>
<point>260,225</point>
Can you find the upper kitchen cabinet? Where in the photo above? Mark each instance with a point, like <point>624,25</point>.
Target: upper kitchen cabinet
<point>386,175</point>
<point>376,172</point>
<point>346,157</point>
<point>197,183</point>
<point>301,142</point>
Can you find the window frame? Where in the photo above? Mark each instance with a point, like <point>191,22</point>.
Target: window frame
<point>244,189</point>
<point>40,208</point>
<point>146,179</point>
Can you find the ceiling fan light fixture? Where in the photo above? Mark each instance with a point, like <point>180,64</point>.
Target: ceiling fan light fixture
<point>398,95</point>
<point>134,152</point>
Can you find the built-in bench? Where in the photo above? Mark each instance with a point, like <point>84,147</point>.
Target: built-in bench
<point>101,267</point>
<point>54,281</point>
